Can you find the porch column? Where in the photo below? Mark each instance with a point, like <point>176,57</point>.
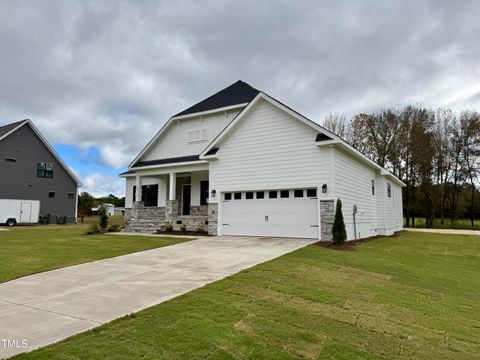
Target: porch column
<point>138,188</point>
<point>171,188</point>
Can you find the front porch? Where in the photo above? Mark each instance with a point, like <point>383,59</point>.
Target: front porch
<point>176,198</point>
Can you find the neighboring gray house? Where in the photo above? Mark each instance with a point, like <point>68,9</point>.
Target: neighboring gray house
<point>31,169</point>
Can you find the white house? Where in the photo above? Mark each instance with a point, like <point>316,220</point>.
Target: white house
<point>242,163</point>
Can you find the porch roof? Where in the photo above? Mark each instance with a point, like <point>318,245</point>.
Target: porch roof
<point>173,160</point>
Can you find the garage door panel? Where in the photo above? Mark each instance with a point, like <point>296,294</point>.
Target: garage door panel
<point>290,217</point>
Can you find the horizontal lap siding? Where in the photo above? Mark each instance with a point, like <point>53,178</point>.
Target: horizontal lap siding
<point>393,207</point>
<point>353,182</point>
<point>398,211</point>
<point>18,180</point>
<point>269,149</point>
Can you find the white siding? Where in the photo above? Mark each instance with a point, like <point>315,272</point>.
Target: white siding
<point>162,189</point>
<point>390,209</point>
<point>269,149</point>
<point>353,185</point>
<point>380,194</point>
<point>174,142</point>
<point>129,184</point>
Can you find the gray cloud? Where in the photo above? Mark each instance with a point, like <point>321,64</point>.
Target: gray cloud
<point>109,74</point>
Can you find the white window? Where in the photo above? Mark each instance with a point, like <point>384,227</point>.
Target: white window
<point>197,135</point>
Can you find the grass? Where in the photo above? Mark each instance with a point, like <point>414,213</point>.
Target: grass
<point>459,224</point>
<point>30,249</point>
<point>414,296</point>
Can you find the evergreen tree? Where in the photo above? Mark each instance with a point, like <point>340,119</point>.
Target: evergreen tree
<point>102,217</point>
<point>338,231</point>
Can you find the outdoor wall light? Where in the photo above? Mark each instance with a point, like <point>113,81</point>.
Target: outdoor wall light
<point>213,193</point>
<point>324,188</point>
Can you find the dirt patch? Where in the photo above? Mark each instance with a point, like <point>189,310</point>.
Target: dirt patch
<point>189,233</point>
<point>352,244</point>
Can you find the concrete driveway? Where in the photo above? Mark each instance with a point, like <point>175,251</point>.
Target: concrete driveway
<point>47,307</point>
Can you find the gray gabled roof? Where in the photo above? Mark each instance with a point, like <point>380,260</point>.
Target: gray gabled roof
<point>235,94</point>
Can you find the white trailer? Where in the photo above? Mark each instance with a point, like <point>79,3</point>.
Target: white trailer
<point>14,211</point>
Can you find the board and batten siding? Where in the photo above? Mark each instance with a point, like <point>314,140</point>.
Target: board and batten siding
<point>269,149</point>
<point>353,185</point>
<point>162,189</point>
<point>174,142</point>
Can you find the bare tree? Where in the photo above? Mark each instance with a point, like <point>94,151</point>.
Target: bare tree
<point>470,123</point>
<point>338,124</point>
<point>442,140</point>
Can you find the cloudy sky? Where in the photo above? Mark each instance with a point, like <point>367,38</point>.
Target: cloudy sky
<point>99,78</point>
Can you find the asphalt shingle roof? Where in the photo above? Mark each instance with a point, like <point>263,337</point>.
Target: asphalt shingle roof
<point>237,93</point>
<point>9,127</point>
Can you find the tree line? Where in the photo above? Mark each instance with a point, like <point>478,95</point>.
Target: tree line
<point>436,153</point>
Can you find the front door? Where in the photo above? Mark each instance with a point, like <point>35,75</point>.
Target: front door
<point>186,195</point>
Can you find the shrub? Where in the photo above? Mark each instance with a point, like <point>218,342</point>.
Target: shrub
<point>102,218</point>
<point>93,230</point>
<point>114,228</point>
<point>168,227</point>
<point>338,231</point>
<point>183,228</point>
<point>200,229</point>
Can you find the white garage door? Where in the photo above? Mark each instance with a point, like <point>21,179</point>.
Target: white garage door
<point>285,213</point>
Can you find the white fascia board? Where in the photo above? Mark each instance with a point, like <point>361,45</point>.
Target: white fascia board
<point>170,168</point>
<point>53,152</point>
<point>15,129</point>
<point>327,142</point>
<point>186,163</point>
<point>209,112</point>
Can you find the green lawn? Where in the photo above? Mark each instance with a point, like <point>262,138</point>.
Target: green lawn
<point>415,296</point>
<point>30,249</point>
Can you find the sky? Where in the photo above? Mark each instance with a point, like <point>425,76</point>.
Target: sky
<point>99,78</point>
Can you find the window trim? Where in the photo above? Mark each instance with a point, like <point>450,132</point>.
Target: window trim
<point>295,193</point>
<point>260,192</point>
<point>271,192</point>
<point>43,172</point>
<point>235,196</point>
<point>283,192</point>
<point>229,194</point>
<point>389,190</point>
<point>312,196</point>
<point>252,194</point>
